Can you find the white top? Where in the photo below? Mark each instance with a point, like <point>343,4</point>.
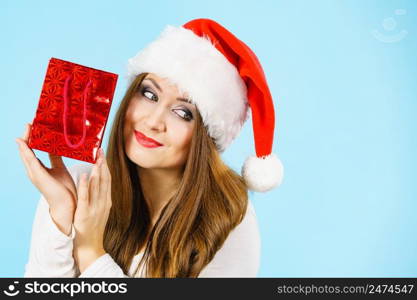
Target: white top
<point>51,250</point>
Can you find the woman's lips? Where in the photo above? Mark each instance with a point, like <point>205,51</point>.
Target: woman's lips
<point>146,141</point>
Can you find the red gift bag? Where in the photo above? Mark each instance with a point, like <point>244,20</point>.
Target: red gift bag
<point>73,109</point>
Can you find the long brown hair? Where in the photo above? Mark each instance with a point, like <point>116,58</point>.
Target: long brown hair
<point>210,201</point>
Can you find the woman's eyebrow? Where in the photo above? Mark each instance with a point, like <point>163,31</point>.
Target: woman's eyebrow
<point>159,88</point>
<point>185,100</point>
<point>154,82</point>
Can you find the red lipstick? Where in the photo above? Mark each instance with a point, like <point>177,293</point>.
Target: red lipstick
<point>146,141</point>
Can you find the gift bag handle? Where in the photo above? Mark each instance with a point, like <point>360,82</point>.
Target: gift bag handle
<point>65,114</point>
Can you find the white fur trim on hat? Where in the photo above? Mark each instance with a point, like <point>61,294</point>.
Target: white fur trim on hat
<point>204,73</point>
<point>263,174</point>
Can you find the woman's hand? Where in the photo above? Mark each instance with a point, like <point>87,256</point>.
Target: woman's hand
<point>55,183</point>
<point>93,208</point>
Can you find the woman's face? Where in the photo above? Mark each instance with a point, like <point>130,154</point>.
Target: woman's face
<point>159,112</point>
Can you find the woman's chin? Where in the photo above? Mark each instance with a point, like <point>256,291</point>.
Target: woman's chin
<point>144,160</point>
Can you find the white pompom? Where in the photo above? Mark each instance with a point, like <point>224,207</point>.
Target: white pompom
<point>263,174</point>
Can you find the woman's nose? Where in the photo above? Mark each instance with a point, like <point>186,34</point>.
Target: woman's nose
<point>155,119</point>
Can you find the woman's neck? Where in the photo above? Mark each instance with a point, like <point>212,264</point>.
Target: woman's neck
<point>158,186</point>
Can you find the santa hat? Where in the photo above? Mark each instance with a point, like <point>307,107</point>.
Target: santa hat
<point>223,78</point>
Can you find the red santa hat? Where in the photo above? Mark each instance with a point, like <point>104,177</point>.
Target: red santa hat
<point>225,80</point>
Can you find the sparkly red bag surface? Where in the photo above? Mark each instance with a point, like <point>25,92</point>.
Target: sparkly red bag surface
<point>73,110</point>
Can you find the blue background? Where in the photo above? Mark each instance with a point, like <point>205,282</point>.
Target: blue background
<point>345,105</point>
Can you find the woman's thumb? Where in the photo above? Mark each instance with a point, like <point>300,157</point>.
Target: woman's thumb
<point>82,191</point>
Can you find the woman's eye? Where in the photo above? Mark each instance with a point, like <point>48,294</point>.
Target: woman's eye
<point>148,94</point>
<point>185,115</point>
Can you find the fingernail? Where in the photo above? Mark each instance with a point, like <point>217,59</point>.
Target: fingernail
<point>101,155</point>
<point>99,159</point>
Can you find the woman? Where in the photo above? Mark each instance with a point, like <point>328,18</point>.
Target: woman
<point>162,203</point>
